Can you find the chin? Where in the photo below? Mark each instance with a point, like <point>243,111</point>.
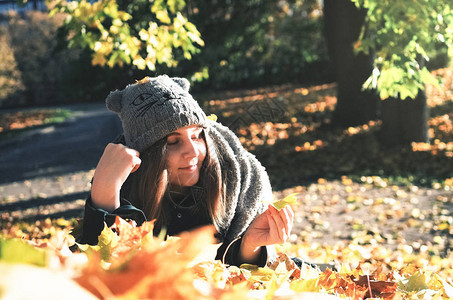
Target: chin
<point>191,182</point>
<point>187,182</point>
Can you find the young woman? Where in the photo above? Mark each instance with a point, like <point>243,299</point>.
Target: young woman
<point>176,166</point>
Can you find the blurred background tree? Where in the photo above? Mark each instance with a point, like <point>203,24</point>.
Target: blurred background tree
<point>258,43</point>
<point>383,47</point>
<point>248,43</point>
<point>140,33</point>
<point>10,76</point>
<point>342,24</point>
<point>38,69</point>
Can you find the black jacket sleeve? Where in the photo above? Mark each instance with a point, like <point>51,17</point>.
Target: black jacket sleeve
<point>94,218</point>
<point>229,254</point>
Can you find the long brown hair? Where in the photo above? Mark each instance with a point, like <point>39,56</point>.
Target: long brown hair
<point>150,185</point>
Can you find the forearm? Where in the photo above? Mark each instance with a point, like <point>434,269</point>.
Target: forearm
<point>116,164</point>
<point>105,196</point>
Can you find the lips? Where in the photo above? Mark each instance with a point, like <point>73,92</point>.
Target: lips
<point>189,168</point>
<point>192,165</point>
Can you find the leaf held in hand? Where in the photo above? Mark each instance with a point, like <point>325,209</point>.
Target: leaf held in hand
<point>290,199</point>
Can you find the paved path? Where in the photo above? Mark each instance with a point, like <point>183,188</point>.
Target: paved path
<point>46,171</point>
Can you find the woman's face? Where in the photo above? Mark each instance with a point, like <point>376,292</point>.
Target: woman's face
<point>186,151</point>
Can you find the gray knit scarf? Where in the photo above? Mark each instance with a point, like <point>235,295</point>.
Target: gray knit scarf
<point>248,189</point>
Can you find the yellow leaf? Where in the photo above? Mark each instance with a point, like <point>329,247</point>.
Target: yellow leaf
<point>272,288</point>
<point>275,283</point>
<point>443,226</point>
<point>18,251</point>
<point>413,283</point>
<point>157,270</point>
<point>212,271</point>
<point>438,239</point>
<point>290,199</point>
<point>308,273</point>
<point>212,117</point>
<point>114,29</point>
<point>124,15</point>
<point>162,15</point>
<point>416,213</point>
<point>107,241</point>
<point>144,34</point>
<point>447,288</point>
<point>305,285</point>
<point>345,269</point>
<point>117,22</point>
<point>258,274</point>
<point>139,62</point>
<point>98,59</point>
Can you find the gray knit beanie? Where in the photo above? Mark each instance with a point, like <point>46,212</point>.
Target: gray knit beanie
<point>152,108</point>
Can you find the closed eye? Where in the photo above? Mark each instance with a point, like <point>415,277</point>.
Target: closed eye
<point>172,142</point>
<point>173,139</point>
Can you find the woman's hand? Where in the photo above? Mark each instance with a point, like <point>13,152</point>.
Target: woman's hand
<point>271,227</point>
<point>115,165</point>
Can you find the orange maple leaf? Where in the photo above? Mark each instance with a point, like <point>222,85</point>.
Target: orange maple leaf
<point>156,270</point>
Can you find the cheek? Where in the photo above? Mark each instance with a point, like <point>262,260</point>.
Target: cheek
<point>172,160</point>
<point>202,151</point>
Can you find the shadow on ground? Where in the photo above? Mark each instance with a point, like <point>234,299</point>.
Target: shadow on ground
<point>65,206</point>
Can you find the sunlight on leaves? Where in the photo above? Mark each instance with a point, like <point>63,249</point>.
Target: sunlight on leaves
<point>19,251</point>
<point>288,200</point>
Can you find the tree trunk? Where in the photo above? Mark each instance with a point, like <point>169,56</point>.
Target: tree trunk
<point>342,25</point>
<point>404,121</point>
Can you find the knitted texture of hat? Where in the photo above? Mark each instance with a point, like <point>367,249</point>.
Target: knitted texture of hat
<point>152,108</point>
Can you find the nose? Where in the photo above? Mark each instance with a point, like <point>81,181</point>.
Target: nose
<point>190,149</point>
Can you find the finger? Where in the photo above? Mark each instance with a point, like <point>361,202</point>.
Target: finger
<point>278,221</point>
<point>136,164</point>
<point>136,161</point>
<point>291,219</point>
<point>285,218</point>
<point>273,228</point>
<point>290,214</point>
<point>290,211</point>
<point>284,235</point>
<point>132,152</point>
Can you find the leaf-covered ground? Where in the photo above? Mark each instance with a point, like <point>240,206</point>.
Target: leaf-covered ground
<point>384,214</point>
<point>129,263</point>
<point>12,122</point>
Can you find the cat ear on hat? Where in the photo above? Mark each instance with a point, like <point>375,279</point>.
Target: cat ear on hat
<point>113,101</point>
<point>182,82</point>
